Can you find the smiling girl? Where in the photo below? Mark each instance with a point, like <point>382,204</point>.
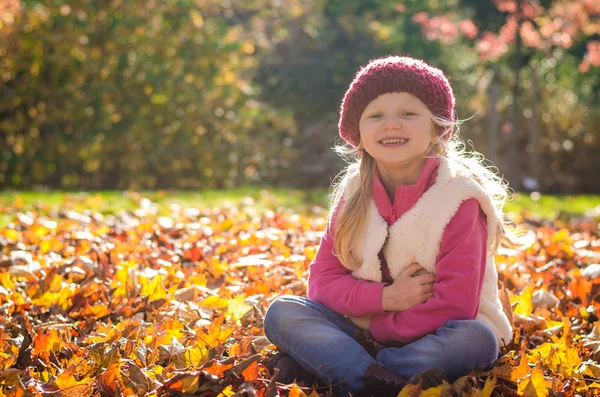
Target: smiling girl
<point>407,258</point>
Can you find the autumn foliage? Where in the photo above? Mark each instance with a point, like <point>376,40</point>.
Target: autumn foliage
<point>540,26</point>
<point>138,304</point>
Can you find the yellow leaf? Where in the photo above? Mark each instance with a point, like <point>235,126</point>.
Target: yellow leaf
<point>415,390</point>
<point>562,236</point>
<point>65,380</point>
<point>45,246</point>
<point>432,392</point>
<point>125,280</point>
<point>226,224</point>
<point>45,300</point>
<point>237,307</point>
<point>526,388</point>
<point>535,385</point>
<point>12,235</point>
<point>594,385</point>
<point>227,392</point>
<point>549,323</point>
<point>214,302</point>
<point>559,355</point>
<point>216,333</point>
<point>6,282</point>
<point>45,375</point>
<point>524,302</point>
<point>196,356</point>
<point>197,279</point>
<point>488,388</point>
<point>218,268</point>
<point>541,384</point>
<point>153,288</point>
<point>103,333</point>
<point>584,313</point>
<point>164,333</point>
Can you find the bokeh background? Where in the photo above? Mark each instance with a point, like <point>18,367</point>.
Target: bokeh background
<point>212,94</point>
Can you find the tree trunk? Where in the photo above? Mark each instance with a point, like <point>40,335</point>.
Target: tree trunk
<point>514,176</point>
<point>533,133</point>
<point>491,141</point>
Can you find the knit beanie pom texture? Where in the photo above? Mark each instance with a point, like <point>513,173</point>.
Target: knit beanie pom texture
<point>394,74</point>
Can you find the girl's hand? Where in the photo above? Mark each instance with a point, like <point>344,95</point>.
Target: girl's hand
<point>361,322</point>
<point>408,290</point>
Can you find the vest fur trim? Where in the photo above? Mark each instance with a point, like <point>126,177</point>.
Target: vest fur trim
<point>416,236</point>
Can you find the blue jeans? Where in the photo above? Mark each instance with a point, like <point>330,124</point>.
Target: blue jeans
<point>325,343</point>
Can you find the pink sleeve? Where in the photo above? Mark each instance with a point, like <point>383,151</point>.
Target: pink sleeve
<point>458,282</point>
<point>331,284</point>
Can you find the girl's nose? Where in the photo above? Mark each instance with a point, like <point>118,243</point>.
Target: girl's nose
<point>392,121</point>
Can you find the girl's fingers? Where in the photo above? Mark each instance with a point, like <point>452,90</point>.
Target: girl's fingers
<point>426,278</point>
<point>411,269</point>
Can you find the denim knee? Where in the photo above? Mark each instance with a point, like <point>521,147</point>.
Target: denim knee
<point>477,345</point>
<point>279,314</point>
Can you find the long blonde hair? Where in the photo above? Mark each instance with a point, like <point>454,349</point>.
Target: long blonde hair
<point>349,206</point>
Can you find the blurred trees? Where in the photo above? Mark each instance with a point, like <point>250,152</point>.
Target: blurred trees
<point>527,46</point>
<point>138,94</point>
<point>220,93</point>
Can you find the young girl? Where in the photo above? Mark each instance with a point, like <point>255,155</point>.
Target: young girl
<point>408,251</point>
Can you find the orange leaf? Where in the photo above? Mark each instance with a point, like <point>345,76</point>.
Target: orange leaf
<point>295,391</point>
<point>251,372</point>
<point>521,370</point>
<point>580,288</point>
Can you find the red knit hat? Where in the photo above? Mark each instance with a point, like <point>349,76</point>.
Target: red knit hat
<point>394,74</point>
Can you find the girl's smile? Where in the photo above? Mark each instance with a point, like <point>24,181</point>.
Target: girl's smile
<point>397,131</point>
<point>393,142</point>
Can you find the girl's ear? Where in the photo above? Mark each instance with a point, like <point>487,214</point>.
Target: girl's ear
<point>360,146</point>
<point>435,133</point>
<point>435,144</point>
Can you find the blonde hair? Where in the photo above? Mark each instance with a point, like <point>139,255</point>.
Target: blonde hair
<point>349,206</point>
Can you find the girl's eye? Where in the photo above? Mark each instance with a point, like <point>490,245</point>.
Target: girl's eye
<point>408,113</point>
<point>375,116</point>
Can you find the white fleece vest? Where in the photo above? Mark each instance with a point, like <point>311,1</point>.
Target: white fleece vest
<point>416,237</point>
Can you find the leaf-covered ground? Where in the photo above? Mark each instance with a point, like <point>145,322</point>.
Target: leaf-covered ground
<point>142,304</point>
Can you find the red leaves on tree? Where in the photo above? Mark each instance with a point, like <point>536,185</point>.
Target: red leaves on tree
<point>540,27</point>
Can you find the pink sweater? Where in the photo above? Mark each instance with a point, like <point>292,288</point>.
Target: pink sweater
<point>459,276</point>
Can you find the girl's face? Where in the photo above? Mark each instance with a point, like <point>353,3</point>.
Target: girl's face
<point>396,130</point>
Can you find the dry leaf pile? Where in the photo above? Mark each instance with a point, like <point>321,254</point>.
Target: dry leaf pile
<point>138,304</point>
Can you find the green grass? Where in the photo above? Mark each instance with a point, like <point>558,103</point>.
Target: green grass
<point>549,207</point>
<point>113,202</point>
<point>303,201</point>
